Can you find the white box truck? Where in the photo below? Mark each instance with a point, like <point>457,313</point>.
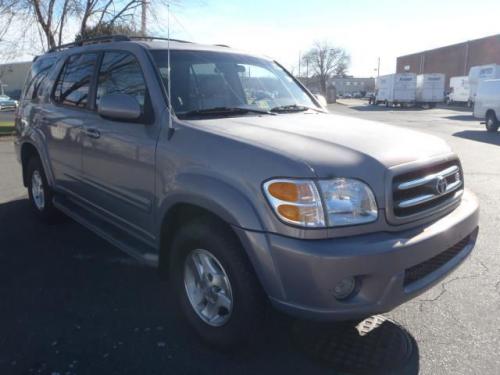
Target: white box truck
<point>394,89</point>
<point>430,89</point>
<point>459,90</point>
<point>480,73</point>
<point>487,104</point>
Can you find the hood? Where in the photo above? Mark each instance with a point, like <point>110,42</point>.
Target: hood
<point>332,145</point>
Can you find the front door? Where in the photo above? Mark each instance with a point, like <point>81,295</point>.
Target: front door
<point>119,156</point>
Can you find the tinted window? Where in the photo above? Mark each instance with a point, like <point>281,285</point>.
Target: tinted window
<point>120,73</point>
<point>38,72</point>
<point>73,84</point>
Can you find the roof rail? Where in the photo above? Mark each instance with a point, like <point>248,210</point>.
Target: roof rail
<point>96,40</point>
<point>222,45</point>
<point>111,38</point>
<point>157,38</point>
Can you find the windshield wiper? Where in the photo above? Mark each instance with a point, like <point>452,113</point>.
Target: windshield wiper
<point>293,108</point>
<point>223,111</point>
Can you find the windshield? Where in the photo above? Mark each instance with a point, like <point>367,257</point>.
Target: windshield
<point>205,80</point>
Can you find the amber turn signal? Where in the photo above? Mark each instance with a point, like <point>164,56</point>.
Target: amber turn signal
<point>285,191</point>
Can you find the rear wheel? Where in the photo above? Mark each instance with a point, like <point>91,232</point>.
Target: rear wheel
<point>217,289</point>
<point>40,194</point>
<point>491,122</point>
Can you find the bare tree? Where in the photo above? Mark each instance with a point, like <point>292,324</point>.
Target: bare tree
<point>53,18</point>
<point>324,61</point>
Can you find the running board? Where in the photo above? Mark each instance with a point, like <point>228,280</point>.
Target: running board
<point>116,236</point>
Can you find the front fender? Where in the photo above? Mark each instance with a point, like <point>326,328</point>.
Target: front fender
<point>214,195</point>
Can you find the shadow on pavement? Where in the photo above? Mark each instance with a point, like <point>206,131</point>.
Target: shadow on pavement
<point>462,118</point>
<point>382,108</point>
<point>72,303</point>
<point>480,136</point>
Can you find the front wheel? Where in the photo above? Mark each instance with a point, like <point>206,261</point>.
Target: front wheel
<point>491,122</point>
<point>218,292</point>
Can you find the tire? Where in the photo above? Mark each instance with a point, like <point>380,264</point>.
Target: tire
<point>39,191</point>
<point>236,323</point>
<point>491,122</point>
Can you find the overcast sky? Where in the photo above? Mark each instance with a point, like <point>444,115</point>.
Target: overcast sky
<point>367,29</point>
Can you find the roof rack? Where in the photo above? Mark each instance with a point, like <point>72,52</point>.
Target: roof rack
<point>111,38</point>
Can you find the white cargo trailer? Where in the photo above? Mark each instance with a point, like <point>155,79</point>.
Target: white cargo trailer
<point>487,105</point>
<point>430,89</point>
<point>480,73</point>
<point>459,90</point>
<point>394,89</point>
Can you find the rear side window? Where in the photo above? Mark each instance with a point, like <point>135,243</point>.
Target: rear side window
<point>120,73</point>
<point>38,72</point>
<point>73,86</point>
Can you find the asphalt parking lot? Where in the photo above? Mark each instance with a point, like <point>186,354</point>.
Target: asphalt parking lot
<point>70,303</point>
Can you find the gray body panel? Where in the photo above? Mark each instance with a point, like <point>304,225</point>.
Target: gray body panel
<point>132,174</point>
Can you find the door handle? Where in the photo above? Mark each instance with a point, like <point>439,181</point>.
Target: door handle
<point>92,133</point>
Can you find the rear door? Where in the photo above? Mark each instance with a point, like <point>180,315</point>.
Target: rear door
<point>65,116</point>
<point>119,156</point>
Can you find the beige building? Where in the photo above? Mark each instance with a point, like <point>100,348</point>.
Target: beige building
<point>12,77</point>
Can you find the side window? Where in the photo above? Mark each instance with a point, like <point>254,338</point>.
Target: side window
<point>120,73</point>
<point>38,72</point>
<point>72,87</point>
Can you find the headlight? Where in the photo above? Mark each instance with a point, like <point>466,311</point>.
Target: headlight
<point>296,202</point>
<point>339,202</point>
<point>348,202</point>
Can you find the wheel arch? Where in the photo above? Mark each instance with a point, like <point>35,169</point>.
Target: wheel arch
<point>491,111</point>
<point>28,151</point>
<point>254,245</point>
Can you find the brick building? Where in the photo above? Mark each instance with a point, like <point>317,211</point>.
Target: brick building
<point>453,60</point>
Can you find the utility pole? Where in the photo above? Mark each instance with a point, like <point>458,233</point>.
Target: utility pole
<point>144,10</point>
<point>378,68</point>
<point>300,58</point>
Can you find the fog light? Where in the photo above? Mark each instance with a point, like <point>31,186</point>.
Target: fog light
<point>344,288</point>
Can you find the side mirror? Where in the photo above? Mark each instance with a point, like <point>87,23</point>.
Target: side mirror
<point>321,99</point>
<point>119,107</point>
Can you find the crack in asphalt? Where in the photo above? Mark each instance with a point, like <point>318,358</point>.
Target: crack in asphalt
<point>444,290</point>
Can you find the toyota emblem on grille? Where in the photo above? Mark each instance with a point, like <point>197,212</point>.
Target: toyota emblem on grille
<point>441,185</point>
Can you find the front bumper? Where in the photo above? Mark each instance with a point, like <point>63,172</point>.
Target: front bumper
<point>308,270</point>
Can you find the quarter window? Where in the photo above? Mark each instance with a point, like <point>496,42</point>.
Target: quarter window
<point>120,73</point>
<point>73,85</point>
<point>39,71</point>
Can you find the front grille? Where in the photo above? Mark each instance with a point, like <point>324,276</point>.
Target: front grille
<point>426,188</point>
<point>423,269</point>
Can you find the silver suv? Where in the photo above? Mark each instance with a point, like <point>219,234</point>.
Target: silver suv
<point>247,193</point>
